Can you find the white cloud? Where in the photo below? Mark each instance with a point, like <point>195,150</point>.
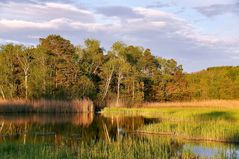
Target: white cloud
<point>148,20</point>
<point>52,24</point>
<point>44,11</point>
<point>148,12</point>
<point>89,26</point>
<point>67,7</point>
<point>21,24</point>
<point>7,41</point>
<point>165,33</point>
<point>198,3</point>
<point>217,9</point>
<point>175,25</point>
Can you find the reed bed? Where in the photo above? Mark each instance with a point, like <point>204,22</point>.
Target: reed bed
<point>46,106</point>
<point>130,148</point>
<point>195,123</point>
<point>202,103</point>
<point>198,131</point>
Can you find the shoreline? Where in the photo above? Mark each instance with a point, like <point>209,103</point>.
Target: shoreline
<point>46,106</point>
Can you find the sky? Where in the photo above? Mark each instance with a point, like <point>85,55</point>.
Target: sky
<point>197,33</point>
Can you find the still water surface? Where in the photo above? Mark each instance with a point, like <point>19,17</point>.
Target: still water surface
<point>45,128</point>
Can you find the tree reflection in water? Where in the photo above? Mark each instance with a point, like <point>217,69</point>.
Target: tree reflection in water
<point>46,127</point>
<point>73,130</point>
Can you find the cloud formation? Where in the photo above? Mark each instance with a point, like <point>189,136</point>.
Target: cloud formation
<point>43,11</point>
<point>167,34</point>
<point>117,11</point>
<point>218,9</point>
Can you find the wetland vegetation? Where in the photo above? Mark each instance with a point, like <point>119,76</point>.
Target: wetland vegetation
<point>149,107</point>
<point>124,75</point>
<point>215,123</point>
<point>84,136</point>
<point>46,106</point>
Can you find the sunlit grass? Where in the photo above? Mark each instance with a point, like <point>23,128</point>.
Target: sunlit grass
<point>202,103</point>
<point>123,148</point>
<point>195,123</point>
<point>172,113</point>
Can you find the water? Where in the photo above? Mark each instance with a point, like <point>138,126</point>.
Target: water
<point>45,128</point>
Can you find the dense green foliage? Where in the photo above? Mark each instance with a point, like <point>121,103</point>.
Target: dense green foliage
<point>215,83</point>
<point>126,74</point>
<point>56,69</point>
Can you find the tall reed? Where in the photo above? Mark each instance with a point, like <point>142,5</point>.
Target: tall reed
<point>46,106</point>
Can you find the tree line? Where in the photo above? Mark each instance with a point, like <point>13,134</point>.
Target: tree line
<point>56,69</point>
<point>214,83</point>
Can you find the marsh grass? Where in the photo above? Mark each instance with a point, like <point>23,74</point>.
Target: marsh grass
<point>46,106</point>
<point>180,104</point>
<point>123,148</point>
<point>219,124</point>
<point>193,104</point>
<point>219,131</point>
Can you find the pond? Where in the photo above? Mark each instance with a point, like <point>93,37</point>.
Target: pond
<point>75,129</point>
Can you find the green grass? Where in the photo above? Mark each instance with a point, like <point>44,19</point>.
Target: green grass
<point>123,148</point>
<point>216,124</point>
<point>30,151</point>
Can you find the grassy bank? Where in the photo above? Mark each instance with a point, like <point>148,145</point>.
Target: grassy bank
<point>136,148</point>
<point>218,122</point>
<point>201,103</point>
<point>45,106</point>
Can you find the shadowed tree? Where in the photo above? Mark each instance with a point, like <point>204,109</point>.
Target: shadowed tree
<point>60,53</point>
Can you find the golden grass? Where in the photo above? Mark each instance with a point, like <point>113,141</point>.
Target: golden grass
<point>45,106</point>
<point>204,103</point>
<point>113,103</point>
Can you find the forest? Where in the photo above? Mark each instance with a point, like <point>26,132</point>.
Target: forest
<point>57,69</point>
<point>214,83</point>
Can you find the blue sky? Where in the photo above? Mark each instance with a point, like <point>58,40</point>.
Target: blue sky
<point>198,34</point>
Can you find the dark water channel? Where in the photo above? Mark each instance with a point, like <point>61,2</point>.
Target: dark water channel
<point>45,128</point>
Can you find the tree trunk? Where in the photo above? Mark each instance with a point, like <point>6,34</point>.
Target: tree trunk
<point>118,93</point>
<point>26,85</point>
<point>3,95</point>
<point>25,67</point>
<point>107,84</point>
<point>133,91</point>
<point>44,86</point>
<point>56,80</point>
<point>118,89</point>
